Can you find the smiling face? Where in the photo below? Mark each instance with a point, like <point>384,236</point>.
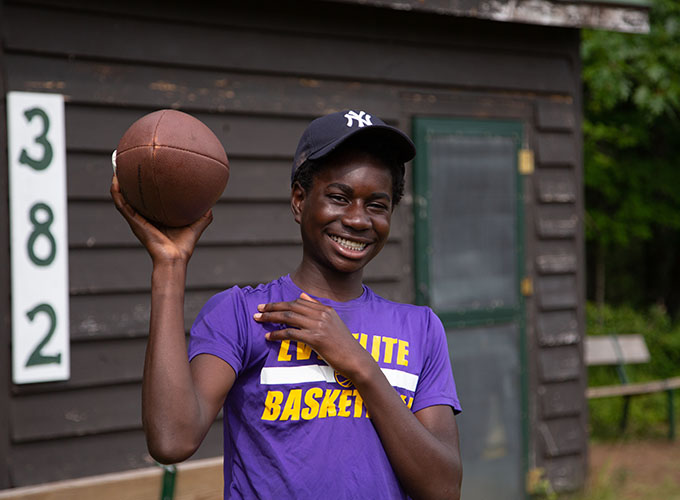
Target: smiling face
<point>345,215</point>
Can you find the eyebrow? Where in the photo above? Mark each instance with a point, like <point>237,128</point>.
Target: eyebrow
<point>349,191</point>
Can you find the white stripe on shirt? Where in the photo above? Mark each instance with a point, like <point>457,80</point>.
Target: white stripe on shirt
<point>275,375</point>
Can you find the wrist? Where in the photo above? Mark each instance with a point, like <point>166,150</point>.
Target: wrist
<point>167,273</point>
<point>366,372</point>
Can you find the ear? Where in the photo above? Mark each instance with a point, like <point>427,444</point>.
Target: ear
<point>297,200</point>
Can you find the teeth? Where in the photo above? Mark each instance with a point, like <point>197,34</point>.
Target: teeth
<point>350,245</point>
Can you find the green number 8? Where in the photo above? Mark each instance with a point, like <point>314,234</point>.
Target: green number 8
<point>41,229</point>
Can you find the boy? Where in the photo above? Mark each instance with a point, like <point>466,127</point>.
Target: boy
<point>328,389</point>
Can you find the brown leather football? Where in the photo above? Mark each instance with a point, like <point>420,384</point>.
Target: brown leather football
<point>171,167</point>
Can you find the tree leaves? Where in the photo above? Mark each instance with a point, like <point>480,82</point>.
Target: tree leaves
<point>631,132</point>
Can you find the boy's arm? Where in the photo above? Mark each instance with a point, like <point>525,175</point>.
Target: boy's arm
<point>179,400</point>
<point>422,447</point>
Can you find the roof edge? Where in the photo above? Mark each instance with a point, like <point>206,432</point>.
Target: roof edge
<point>628,16</point>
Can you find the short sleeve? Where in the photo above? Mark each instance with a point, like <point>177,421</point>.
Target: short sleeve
<point>221,329</point>
<point>435,384</point>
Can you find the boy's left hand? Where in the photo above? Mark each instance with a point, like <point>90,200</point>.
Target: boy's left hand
<point>318,326</point>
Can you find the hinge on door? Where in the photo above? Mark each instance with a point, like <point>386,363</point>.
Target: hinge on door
<point>527,286</point>
<point>525,161</point>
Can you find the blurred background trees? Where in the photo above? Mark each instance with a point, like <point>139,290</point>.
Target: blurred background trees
<point>632,163</point>
<point>631,133</point>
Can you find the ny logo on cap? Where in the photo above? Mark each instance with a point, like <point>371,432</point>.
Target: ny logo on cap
<point>362,118</point>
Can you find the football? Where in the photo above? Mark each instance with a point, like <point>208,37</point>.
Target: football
<point>171,167</point>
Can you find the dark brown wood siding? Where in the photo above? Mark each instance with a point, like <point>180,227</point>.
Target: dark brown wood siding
<point>256,73</point>
<point>5,306</point>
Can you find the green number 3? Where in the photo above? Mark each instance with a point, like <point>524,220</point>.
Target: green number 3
<point>41,229</point>
<point>45,161</point>
<point>37,357</point>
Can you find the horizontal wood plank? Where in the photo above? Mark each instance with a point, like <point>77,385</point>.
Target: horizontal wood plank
<point>562,263</point>
<point>89,178</point>
<point>96,364</point>
<point>556,221</point>
<point>555,149</point>
<point>348,21</point>
<point>563,436</point>
<point>557,328</point>
<point>76,413</point>
<point>194,480</point>
<point>561,399</point>
<point>114,83</point>
<point>129,269</point>
<point>556,292</point>
<point>466,103</point>
<point>98,224</point>
<point>555,186</point>
<point>558,364</point>
<point>124,315</point>
<point>556,257</point>
<point>567,473</point>
<point>53,460</point>
<point>94,129</point>
<point>283,53</point>
<point>633,389</point>
<point>555,115</point>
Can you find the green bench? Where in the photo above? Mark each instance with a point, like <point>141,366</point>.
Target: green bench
<point>619,351</point>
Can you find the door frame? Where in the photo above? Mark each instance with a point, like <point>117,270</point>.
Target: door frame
<point>423,128</point>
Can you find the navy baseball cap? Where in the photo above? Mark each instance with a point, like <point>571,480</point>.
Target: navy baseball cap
<point>326,133</point>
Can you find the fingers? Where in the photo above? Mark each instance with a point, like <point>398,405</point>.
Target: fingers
<point>119,200</point>
<point>304,312</point>
<point>202,223</point>
<point>140,226</point>
<point>285,334</point>
<point>295,319</point>
<point>293,313</point>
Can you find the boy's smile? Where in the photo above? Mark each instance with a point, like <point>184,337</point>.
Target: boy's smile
<point>345,215</point>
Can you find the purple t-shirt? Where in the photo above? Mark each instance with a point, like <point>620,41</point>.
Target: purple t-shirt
<point>293,427</point>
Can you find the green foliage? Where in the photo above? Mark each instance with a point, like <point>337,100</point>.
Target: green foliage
<point>631,125</point>
<point>648,413</point>
<point>605,487</point>
<point>538,485</point>
<point>611,484</point>
<point>631,148</point>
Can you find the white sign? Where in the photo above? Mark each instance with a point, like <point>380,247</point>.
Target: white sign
<point>39,238</point>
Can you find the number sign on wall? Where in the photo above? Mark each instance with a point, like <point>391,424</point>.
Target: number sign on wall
<point>39,241</point>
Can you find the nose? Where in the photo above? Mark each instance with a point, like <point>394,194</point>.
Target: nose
<point>356,217</point>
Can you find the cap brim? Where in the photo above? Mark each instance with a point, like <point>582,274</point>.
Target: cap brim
<point>402,145</point>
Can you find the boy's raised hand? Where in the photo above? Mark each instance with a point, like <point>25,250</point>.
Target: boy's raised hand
<point>163,243</point>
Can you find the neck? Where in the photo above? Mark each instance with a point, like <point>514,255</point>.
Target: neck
<point>336,286</point>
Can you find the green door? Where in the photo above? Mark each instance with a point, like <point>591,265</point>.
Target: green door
<point>469,266</point>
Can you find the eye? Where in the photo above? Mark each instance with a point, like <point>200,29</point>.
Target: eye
<point>378,206</point>
<point>337,197</point>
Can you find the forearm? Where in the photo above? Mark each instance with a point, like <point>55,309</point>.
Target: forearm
<point>170,409</point>
<point>426,465</point>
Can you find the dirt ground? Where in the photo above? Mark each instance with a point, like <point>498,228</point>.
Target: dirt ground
<point>635,470</point>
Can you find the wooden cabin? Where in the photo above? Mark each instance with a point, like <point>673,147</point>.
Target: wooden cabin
<point>490,233</point>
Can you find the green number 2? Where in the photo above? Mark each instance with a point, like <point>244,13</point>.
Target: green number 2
<point>41,228</point>
<point>45,161</point>
<point>37,357</point>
